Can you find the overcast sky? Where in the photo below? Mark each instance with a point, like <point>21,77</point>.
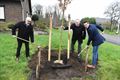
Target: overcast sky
<point>81,8</point>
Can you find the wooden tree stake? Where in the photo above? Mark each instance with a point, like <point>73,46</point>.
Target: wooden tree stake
<point>50,33</point>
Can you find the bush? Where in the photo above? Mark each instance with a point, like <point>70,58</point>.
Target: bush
<point>11,25</point>
<point>35,17</point>
<point>40,25</point>
<point>106,25</point>
<point>90,20</point>
<point>5,26</point>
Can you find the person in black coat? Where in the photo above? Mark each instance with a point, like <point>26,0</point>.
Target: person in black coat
<point>79,34</point>
<point>96,38</point>
<point>25,31</point>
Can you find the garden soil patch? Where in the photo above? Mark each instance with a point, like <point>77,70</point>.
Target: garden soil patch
<point>46,72</point>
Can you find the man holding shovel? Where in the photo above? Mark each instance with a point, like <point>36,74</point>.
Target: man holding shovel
<point>79,34</point>
<point>96,38</point>
<point>25,31</point>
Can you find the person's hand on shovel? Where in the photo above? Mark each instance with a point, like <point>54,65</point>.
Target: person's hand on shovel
<point>87,46</point>
<point>32,42</point>
<point>13,36</point>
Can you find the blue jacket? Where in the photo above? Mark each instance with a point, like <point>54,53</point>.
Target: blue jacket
<point>94,35</point>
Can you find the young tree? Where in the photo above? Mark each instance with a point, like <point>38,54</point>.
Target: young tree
<point>63,5</point>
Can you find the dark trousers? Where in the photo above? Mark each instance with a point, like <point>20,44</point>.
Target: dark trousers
<point>19,48</point>
<point>73,43</point>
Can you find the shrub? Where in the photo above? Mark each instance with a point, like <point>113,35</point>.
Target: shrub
<point>40,25</point>
<point>5,26</point>
<point>10,26</point>
<point>90,20</point>
<point>35,17</point>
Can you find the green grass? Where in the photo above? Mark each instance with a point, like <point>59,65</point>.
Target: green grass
<point>111,32</point>
<point>109,57</point>
<point>109,62</point>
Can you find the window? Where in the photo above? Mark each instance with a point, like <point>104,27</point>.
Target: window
<point>2,12</point>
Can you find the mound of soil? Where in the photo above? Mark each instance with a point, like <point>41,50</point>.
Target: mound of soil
<point>46,72</point>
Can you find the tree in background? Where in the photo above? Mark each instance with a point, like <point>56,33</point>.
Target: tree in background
<point>90,20</point>
<point>56,16</point>
<point>35,18</point>
<point>38,10</point>
<point>113,12</point>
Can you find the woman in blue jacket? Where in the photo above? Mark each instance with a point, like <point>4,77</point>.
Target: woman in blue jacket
<point>96,38</point>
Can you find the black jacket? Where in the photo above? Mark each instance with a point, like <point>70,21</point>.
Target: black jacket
<point>79,32</point>
<point>24,31</point>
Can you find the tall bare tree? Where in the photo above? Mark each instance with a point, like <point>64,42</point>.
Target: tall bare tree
<point>113,12</point>
<point>38,9</point>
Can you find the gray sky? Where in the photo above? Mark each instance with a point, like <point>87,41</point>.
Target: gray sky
<point>81,8</point>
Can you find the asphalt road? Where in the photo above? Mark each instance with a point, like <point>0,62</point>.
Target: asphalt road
<point>115,39</point>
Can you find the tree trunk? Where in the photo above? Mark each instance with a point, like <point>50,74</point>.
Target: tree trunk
<point>111,25</point>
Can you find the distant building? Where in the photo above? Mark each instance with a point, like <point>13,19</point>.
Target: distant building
<point>14,10</point>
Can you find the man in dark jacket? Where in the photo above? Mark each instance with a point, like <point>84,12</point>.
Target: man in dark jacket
<point>25,31</point>
<point>96,39</point>
<point>79,34</point>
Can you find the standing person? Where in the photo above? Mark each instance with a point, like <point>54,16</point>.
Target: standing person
<point>25,31</point>
<point>79,34</point>
<point>96,39</point>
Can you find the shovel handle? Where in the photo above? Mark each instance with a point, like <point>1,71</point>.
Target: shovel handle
<point>86,60</point>
<point>22,39</point>
<point>82,51</point>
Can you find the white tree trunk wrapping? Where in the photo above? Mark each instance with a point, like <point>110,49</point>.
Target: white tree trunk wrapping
<point>118,27</point>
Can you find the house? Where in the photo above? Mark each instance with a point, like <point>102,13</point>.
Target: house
<point>14,10</point>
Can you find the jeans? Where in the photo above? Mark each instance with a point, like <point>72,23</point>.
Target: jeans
<point>95,55</point>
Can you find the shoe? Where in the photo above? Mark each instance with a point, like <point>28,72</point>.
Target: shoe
<point>91,66</point>
<point>79,59</point>
<point>97,62</point>
<point>17,59</point>
<point>28,58</point>
<point>71,54</point>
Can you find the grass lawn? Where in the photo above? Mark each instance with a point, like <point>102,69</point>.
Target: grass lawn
<point>111,33</point>
<point>109,57</point>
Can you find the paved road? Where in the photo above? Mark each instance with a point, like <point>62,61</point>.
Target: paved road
<point>115,39</point>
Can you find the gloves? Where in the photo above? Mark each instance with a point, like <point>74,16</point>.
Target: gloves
<point>32,42</point>
<point>103,32</point>
<point>14,36</point>
<point>87,46</point>
<point>62,27</point>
